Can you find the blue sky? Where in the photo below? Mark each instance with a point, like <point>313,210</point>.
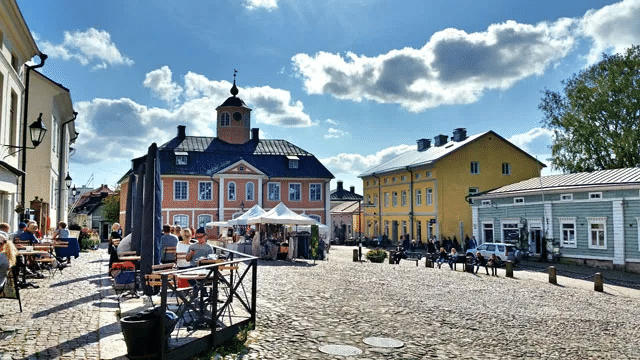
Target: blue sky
<point>355,82</point>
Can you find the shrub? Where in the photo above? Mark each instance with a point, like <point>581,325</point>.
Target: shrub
<point>377,255</point>
<point>88,239</point>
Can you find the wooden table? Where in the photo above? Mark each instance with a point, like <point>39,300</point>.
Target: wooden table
<point>23,265</point>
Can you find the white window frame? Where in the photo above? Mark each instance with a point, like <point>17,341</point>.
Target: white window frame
<point>403,198</point>
<point>182,159</point>
<point>518,200</point>
<point>595,195</point>
<point>299,191</point>
<point>375,200</point>
<point>506,168</point>
<point>598,221</point>
<point>566,197</point>
<point>202,223</point>
<point>403,178</point>
<point>493,231</point>
<point>248,185</point>
<point>504,222</point>
<point>318,192</point>
<point>418,197</point>
<point>269,192</point>
<point>175,183</point>
<point>225,119</point>
<point>181,216</point>
<point>232,196</point>
<point>394,199</point>
<point>474,168</point>
<point>418,175</point>
<point>293,163</point>
<point>429,196</point>
<point>486,202</point>
<point>428,173</point>
<point>200,183</point>
<point>572,221</point>
<point>386,199</point>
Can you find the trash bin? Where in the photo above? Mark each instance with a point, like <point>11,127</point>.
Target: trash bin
<point>142,333</point>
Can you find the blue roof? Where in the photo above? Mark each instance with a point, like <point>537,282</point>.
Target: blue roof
<point>208,155</point>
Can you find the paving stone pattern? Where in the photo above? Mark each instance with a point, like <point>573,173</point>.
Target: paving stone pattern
<point>436,313</point>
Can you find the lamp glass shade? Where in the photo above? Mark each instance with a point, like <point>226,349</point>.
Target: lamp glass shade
<point>74,191</point>
<point>37,130</point>
<point>67,181</point>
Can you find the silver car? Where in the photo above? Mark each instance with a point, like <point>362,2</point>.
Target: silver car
<point>502,251</point>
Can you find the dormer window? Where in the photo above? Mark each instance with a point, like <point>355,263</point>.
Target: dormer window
<point>293,162</point>
<point>181,158</point>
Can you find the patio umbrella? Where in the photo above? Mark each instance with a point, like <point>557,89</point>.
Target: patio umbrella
<point>151,215</point>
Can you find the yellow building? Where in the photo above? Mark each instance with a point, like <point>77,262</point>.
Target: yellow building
<point>423,192</point>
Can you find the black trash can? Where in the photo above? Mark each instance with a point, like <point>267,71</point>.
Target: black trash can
<point>142,333</point>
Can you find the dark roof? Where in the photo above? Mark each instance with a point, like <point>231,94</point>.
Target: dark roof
<point>207,156</point>
<point>233,101</point>
<point>91,200</point>
<point>344,195</point>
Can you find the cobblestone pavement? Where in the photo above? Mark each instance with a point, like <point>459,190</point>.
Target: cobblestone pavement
<point>437,313</point>
<point>60,319</point>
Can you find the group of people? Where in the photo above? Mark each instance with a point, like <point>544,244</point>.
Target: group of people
<point>449,243</point>
<point>188,250</point>
<point>478,261</point>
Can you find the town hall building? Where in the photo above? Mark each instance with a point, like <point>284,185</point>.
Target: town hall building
<point>208,179</point>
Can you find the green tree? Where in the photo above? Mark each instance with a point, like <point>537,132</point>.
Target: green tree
<point>596,119</point>
<point>111,208</point>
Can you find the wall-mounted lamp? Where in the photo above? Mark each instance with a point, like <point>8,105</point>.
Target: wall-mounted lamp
<point>37,131</point>
<point>67,181</point>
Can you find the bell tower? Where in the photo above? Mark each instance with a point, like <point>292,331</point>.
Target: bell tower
<point>233,118</point>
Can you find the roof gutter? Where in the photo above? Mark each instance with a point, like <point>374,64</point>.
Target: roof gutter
<point>25,125</point>
<point>62,149</point>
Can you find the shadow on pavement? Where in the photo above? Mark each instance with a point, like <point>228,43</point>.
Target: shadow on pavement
<point>580,272</point>
<point>86,299</point>
<point>74,280</point>
<point>284,263</point>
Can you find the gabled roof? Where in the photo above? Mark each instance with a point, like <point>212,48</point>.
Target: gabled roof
<point>625,176</point>
<point>344,195</point>
<point>91,200</point>
<point>208,155</point>
<point>415,158</point>
<point>346,207</point>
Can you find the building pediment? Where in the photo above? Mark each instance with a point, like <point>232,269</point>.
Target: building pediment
<point>238,169</point>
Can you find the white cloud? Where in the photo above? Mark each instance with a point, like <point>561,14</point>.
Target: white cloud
<point>612,28</point>
<point>161,85</point>
<point>89,47</point>
<point>121,129</point>
<point>261,4</point>
<point>333,133</point>
<point>331,121</point>
<point>536,141</point>
<point>355,164</point>
<point>453,67</point>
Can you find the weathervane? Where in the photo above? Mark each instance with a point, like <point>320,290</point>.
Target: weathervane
<point>234,89</point>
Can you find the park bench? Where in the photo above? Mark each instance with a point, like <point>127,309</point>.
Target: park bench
<point>412,256</point>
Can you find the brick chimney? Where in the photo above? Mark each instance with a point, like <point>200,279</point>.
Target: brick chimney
<point>352,189</point>
<point>254,134</point>
<point>423,144</point>
<point>340,188</point>
<point>459,134</point>
<point>181,131</point>
<point>440,140</point>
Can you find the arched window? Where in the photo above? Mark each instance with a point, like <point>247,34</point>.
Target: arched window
<point>315,217</point>
<point>225,119</point>
<point>204,219</point>
<point>231,191</point>
<point>250,192</point>
<point>181,220</point>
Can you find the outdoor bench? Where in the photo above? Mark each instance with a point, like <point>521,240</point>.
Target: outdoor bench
<point>412,256</point>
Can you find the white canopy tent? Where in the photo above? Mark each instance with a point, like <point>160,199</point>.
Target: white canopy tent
<point>322,228</point>
<point>255,211</point>
<point>282,215</point>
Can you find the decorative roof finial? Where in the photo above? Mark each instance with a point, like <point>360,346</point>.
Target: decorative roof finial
<point>234,89</point>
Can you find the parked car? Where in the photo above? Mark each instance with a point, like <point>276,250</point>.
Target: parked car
<point>503,251</point>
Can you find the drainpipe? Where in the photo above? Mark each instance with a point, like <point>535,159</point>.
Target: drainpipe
<point>410,202</point>
<point>61,171</point>
<point>379,205</point>
<point>25,125</point>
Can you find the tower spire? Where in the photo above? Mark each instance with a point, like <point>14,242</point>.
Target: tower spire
<point>234,89</point>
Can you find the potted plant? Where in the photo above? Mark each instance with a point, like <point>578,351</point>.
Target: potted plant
<point>376,256</point>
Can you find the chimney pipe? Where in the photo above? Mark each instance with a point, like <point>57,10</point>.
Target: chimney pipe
<point>352,189</point>
<point>459,134</point>
<point>423,144</point>
<point>181,131</point>
<point>340,188</point>
<point>254,134</point>
<point>440,140</point>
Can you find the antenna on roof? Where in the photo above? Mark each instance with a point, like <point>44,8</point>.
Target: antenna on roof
<point>234,89</point>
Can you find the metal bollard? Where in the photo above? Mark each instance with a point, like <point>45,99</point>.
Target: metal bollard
<point>509,268</point>
<point>391,259</point>
<point>552,275</point>
<point>355,255</point>
<point>428,263</point>
<point>598,281</point>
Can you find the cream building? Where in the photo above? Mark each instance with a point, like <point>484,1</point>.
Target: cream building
<point>48,164</point>
<point>17,46</point>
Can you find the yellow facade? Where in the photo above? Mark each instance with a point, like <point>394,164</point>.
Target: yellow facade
<point>430,199</point>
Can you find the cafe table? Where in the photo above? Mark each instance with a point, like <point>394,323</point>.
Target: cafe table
<point>28,254</point>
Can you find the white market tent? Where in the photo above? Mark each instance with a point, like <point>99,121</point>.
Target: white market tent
<point>281,214</point>
<point>255,211</point>
<point>322,228</point>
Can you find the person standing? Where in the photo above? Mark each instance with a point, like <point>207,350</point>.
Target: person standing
<point>115,235</point>
<point>168,240</point>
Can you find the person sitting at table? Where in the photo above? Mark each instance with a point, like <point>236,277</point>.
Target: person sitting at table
<point>168,240</point>
<point>199,250</point>
<point>30,233</point>
<point>4,230</point>
<point>61,231</point>
<point>21,227</point>
<point>182,248</point>
<point>7,258</point>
